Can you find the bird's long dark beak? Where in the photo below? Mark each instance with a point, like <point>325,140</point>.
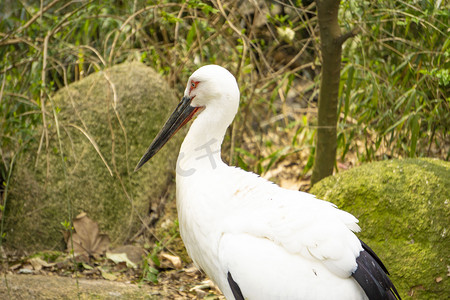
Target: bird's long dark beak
<point>181,115</point>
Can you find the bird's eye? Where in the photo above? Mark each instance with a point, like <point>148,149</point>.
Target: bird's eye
<point>193,85</point>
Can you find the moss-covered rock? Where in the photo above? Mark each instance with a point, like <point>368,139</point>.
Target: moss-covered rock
<point>403,209</point>
<point>119,111</point>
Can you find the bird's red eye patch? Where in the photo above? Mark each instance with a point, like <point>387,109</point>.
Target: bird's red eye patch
<point>194,84</point>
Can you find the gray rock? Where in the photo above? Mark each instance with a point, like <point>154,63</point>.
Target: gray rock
<point>119,111</point>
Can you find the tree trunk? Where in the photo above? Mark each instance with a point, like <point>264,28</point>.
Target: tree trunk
<point>331,47</point>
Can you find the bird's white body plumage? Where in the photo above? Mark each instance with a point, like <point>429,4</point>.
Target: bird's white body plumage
<point>276,243</point>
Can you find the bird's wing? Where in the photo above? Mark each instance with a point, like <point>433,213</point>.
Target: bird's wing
<point>298,222</point>
<point>258,268</point>
<point>372,276</point>
<point>300,229</point>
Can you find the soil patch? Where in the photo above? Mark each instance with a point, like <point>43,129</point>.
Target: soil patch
<point>173,285</point>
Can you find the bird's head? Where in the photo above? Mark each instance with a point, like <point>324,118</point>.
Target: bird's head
<point>212,92</point>
<point>213,86</point>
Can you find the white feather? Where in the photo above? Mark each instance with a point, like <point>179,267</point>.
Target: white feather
<point>276,243</point>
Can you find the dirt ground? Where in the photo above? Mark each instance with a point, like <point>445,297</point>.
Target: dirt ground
<point>15,286</point>
<point>25,286</point>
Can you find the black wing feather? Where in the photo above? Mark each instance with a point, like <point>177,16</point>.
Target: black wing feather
<point>375,256</point>
<point>372,276</point>
<point>235,288</point>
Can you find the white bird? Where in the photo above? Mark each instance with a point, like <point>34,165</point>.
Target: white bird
<point>254,239</point>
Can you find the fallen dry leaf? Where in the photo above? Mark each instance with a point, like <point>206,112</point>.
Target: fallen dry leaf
<point>174,261</point>
<point>38,263</point>
<point>26,269</point>
<point>134,253</point>
<point>107,275</point>
<point>16,266</point>
<point>120,257</point>
<point>87,241</point>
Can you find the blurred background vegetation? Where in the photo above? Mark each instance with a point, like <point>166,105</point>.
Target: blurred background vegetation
<point>395,80</point>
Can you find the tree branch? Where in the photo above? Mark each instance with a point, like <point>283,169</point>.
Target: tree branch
<point>343,37</point>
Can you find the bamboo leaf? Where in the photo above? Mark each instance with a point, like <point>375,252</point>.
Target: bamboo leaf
<point>348,91</point>
<point>399,123</point>
<point>414,124</point>
<point>191,34</point>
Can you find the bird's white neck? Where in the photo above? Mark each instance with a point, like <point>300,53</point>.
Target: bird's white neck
<point>201,149</point>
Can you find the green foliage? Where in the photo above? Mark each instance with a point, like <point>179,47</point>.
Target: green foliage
<point>149,273</point>
<point>43,52</point>
<point>394,87</point>
<point>394,90</point>
<point>150,265</point>
<point>67,225</point>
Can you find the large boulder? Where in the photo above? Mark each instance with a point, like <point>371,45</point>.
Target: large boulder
<point>105,122</point>
<point>403,210</point>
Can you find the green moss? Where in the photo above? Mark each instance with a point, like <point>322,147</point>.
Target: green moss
<point>403,209</point>
<point>122,109</point>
